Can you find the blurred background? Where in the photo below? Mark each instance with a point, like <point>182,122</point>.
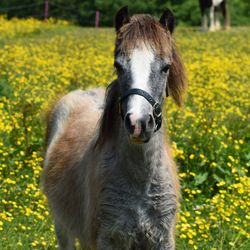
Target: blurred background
<point>83,11</point>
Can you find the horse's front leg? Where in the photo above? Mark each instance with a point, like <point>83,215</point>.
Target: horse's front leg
<point>204,22</point>
<point>104,242</point>
<point>171,238</point>
<point>212,22</point>
<point>107,242</point>
<point>65,241</point>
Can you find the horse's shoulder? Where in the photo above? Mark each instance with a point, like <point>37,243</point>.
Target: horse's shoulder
<point>93,98</point>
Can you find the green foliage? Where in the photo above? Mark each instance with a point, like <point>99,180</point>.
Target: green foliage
<point>83,11</point>
<point>240,12</point>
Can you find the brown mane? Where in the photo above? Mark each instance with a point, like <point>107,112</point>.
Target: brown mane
<point>109,119</point>
<point>144,29</point>
<point>177,82</point>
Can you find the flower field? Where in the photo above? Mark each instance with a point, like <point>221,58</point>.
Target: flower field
<point>39,62</point>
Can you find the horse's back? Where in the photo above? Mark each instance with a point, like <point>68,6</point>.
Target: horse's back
<point>77,106</point>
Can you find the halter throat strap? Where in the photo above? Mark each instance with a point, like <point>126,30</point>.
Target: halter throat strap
<point>157,112</point>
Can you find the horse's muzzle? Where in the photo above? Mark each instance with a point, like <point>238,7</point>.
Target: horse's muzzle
<point>139,129</point>
<point>135,124</point>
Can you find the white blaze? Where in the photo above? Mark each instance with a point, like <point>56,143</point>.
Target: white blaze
<point>141,59</point>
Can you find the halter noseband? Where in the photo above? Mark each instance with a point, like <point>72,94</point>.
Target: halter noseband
<point>156,106</point>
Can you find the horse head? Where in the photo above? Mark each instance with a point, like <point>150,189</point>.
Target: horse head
<point>148,69</point>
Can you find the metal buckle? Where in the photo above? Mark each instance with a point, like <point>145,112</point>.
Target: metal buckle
<point>157,110</point>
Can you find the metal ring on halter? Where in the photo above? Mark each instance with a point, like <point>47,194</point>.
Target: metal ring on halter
<point>157,113</point>
<point>157,110</point>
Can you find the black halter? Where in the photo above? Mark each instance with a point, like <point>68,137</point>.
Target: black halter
<point>156,106</point>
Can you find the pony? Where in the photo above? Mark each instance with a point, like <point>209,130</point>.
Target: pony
<point>214,7</point>
<point>109,176</point>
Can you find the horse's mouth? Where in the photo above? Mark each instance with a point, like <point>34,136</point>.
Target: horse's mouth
<point>137,140</point>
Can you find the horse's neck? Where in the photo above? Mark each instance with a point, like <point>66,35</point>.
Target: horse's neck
<point>143,162</point>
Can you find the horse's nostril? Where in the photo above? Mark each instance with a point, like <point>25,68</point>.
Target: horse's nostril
<point>128,124</point>
<point>134,125</point>
<point>150,122</point>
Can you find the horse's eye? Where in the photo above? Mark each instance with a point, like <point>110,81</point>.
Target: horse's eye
<point>165,68</point>
<point>118,66</point>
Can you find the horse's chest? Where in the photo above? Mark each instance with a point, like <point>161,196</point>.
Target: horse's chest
<point>140,219</point>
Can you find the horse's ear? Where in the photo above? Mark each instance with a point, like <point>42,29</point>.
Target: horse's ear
<point>177,82</point>
<point>167,20</point>
<point>121,18</point>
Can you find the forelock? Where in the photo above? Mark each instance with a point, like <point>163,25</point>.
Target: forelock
<point>144,30</point>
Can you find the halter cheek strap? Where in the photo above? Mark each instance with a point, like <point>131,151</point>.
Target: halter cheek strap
<point>157,113</point>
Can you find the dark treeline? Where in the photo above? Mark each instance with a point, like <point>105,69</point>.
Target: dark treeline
<point>83,11</point>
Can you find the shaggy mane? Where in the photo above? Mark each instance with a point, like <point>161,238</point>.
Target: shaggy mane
<point>108,128</point>
<point>144,29</point>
